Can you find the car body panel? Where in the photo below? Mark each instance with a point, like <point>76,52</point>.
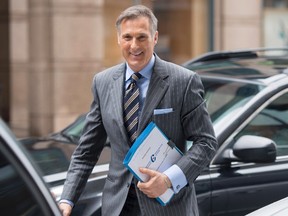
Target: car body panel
<point>20,177</point>
<point>239,186</point>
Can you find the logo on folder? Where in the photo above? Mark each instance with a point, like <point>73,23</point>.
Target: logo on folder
<point>153,158</point>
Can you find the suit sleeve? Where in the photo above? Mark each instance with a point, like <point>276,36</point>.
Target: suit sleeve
<point>197,128</point>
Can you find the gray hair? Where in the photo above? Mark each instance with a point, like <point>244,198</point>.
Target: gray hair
<point>136,11</point>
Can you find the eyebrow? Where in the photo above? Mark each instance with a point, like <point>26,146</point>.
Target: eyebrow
<point>138,35</point>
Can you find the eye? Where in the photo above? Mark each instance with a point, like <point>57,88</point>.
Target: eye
<point>127,37</point>
<point>142,38</point>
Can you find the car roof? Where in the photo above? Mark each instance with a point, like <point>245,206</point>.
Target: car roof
<point>262,66</point>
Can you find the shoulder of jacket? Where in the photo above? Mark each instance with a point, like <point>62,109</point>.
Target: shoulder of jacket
<point>109,72</point>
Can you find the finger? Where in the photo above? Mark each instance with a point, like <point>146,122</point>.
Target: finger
<point>143,185</point>
<point>148,171</point>
<point>65,208</point>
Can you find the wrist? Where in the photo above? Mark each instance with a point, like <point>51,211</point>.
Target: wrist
<point>167,181</point>
<point>66,202</point>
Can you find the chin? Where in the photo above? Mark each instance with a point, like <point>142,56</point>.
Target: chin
<point>136,66</point>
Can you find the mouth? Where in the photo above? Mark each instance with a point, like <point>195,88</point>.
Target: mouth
<point>136,54</point>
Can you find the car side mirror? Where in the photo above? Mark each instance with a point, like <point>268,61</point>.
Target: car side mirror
<point>255,149</point>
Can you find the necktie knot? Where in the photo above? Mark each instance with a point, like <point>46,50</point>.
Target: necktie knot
<point>136,76</point>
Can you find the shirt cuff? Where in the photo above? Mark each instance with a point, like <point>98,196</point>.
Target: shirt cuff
<point>177,178</point>
<point>67,201</point>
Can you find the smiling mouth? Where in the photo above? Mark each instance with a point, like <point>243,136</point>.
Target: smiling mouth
<point>136,54</point>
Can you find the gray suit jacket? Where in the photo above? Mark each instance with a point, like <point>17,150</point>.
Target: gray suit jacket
<point>171,86</point>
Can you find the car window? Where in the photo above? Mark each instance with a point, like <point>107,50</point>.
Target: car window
<point>272,122</point>
<point>51,160</point>
<point>74,130</point>
<point>54,157</point>
<point>224,97</point>
<point>15,196</point>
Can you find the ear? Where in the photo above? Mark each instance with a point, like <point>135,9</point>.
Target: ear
<point>156,38</point>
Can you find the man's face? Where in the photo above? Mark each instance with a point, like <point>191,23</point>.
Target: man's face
<point>136,42</point>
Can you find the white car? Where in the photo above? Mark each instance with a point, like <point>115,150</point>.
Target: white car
<point>279,208</point>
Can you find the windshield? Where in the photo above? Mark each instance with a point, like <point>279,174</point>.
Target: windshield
<point>225,96</point>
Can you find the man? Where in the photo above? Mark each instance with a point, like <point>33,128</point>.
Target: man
<point>177,95</point>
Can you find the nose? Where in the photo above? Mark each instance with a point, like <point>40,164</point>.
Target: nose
<point>134,43</point>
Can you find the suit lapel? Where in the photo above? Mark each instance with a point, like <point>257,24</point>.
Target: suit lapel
<point>117,98</point>
<point>157,88</point>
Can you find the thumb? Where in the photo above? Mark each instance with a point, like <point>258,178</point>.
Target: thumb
<point>149,172</point>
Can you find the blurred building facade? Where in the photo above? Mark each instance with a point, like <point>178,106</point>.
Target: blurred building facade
<point>50,49</point>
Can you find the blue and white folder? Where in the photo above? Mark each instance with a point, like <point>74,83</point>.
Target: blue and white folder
<point>152,150</point>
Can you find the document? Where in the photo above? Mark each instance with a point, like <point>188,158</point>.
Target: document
<point>152,150</point>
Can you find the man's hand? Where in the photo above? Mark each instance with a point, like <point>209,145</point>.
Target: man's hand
<point>65,208</point>
<point>156,185</point>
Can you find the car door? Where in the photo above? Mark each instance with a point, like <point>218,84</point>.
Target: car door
<point>239,188</point>
<point>22,191</point>
<point>203,192</point>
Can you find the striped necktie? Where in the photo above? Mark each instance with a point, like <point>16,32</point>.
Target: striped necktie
<point>131,107</point>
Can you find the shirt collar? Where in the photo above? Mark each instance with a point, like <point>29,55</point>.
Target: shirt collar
<point>145,72</point>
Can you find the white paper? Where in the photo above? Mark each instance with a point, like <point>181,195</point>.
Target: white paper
<point>152,151</point>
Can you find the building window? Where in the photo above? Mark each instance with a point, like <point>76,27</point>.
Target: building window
<point>275,3</point>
